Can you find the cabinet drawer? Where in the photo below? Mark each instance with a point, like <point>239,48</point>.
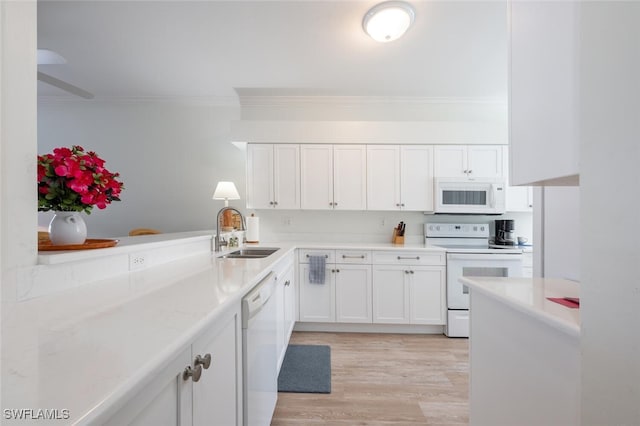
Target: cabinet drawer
<point>353,256</point>
<point>305,253</point>
<point>408,258</point>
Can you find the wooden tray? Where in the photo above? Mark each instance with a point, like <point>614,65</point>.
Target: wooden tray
<point>88,244</point>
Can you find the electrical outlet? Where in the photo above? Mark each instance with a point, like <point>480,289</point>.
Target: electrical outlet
<point>287,221</point>
<point>137,261</point>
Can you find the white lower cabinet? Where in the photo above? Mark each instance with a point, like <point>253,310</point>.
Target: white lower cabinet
<point>173,398</point>
<point>409,294</point>
<point>345,296</point>
<point>286,309</point>
<point>400,288</point>
<point>390,295</point>
<point>427,295</point>
<point>353,293</point>
<point>317,301</point>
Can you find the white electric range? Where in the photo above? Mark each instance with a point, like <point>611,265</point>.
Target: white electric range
<point>469,253</point>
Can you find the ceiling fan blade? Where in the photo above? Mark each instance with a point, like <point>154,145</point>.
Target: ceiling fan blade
<point>49,57</point>
<point>74,90</point>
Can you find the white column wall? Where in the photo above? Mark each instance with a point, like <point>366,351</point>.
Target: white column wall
<point>18,113</point>
<point>610,194</point>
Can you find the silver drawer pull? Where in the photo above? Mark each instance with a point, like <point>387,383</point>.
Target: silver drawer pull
<point>344,256</point>
<point>401,258</point>
<point>326,256</point>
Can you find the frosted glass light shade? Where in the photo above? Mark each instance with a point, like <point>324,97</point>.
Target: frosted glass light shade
<point>226,191</point>
<point>388,21</point>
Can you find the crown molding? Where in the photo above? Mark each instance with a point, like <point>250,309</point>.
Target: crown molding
<point>214,101</point>
<point>266,100</point>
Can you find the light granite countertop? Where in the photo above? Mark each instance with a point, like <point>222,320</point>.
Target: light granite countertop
<point>85,348</point>
<point>529,295</point>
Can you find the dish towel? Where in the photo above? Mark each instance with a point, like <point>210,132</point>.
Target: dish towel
<point>316,269</point>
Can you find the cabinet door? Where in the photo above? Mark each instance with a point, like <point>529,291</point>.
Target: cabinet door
<point>165,401</point>
<point>289,304</point>
<point>519,199</point>
<point>390,295</point>
<point>349,177</point>
<point>279,296</point>
<point>544,56</point>
<point>427,294</point>
<point>450,161</point>
<point>316,175</point>
<point>317,301</point>
<point>286,176</point>
<point>259,176</point>
<point>417,178</point>
<point>383,177</point>
<point>217,397</point>
<point>353,293</point>
<point>484,161</point>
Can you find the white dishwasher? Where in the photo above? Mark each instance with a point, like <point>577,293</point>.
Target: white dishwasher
<point>259,354</point>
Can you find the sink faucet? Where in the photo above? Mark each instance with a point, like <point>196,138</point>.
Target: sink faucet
<point>222,210</point>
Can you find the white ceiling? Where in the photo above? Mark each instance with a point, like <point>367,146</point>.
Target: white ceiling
<point>207,49</point>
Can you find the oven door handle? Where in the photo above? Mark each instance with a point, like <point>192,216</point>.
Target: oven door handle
<point>514,256</point>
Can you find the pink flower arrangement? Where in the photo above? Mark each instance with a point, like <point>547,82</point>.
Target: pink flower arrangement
<point>75,180</point>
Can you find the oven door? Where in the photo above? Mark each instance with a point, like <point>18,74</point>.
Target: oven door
<point>477,265</point>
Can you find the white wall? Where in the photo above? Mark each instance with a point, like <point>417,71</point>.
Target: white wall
<point>610,189</point>
<point>561,232</point>
<point>170,156</point>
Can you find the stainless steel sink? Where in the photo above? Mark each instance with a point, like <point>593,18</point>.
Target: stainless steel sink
<point>251,253</point>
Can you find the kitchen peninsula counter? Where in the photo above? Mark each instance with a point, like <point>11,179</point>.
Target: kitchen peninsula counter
<point>88,349</point>
<point>524,352</point>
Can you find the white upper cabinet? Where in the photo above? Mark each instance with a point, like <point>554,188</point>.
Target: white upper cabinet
<point>543,92</point>
<point>383,177</point>
<point>468,161</point>
<point>451,161</point>
<point>273,176</point>
<point>519,198</point>
<point>316,163</point>
<point>416,180</point>
<point>349,177</point>
<point>333,177</point>
<point>400,177</point>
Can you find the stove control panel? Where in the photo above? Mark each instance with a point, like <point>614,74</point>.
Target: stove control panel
<point>456,230</point>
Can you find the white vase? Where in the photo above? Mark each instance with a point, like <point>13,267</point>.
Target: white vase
<point>67,228</point>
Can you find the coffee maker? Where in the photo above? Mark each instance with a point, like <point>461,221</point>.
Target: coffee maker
<point>505,233</point>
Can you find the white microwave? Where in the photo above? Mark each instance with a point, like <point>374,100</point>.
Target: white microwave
<point>463,196</point>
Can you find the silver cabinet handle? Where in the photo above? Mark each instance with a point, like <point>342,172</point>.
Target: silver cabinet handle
<point>194,373</point>
<point>397,204</point>
<point>401,258</point>
<point>470,171</point>
<point>402,205</point>
<point>275,203</point>
<point>335,204</point>
<point>333,271</point>
<point>344,256</point>
<point>326,256</point>
<point>287,283</point>
<point>338,270</point>
<point>270,203</point>
<point>411,272</point>
<point>204,361</point>
<point>406,272</point>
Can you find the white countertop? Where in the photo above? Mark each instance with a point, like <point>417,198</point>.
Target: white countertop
<point>529,295</point>
<point>85,348</point>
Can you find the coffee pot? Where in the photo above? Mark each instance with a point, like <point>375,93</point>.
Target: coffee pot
<point>505,232</point>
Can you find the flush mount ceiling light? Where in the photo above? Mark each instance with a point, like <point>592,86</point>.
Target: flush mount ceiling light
<point>388,21</point>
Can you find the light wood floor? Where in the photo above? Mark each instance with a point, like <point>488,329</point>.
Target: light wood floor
<point>384,379</point>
